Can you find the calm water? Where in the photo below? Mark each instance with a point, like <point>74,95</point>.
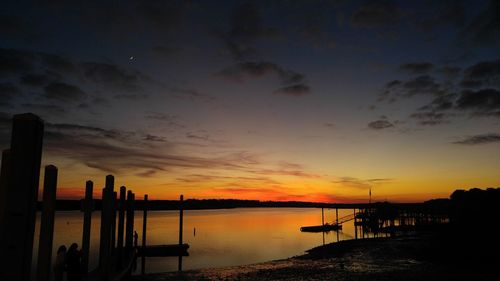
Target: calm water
<point>223,237</point>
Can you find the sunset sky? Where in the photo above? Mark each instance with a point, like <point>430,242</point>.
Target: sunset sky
<point>270,100</point>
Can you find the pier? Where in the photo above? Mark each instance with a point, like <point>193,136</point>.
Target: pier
<point>19,178</point>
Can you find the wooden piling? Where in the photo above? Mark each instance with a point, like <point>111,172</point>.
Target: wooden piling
<point>355,226</point>
<point>113,223</point>
<point>337,219</point>
<point>106,224</point>
<point>181,218</point>
<point>129,227</point>
<point>88,207</point>
<point>47,224</point>
<point>323,223</point>
<point>18,227</point>
<point>121,225</point>
<point>144,228</point>
<point>4,183</point>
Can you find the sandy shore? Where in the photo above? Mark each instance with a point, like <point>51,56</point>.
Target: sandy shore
<point>416,257</point>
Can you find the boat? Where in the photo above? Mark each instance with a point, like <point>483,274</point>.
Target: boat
<point>321,228</point>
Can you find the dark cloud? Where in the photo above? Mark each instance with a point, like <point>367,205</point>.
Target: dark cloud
<point>248,70</point>
<point>420,85</point>
<point>149,137</point>
<point>296,90</point>
<point>377,14</point>
<point>64,92</point>
<point>424,84</point>
<point>293,82</point>
<point>429,118</point>
<point>198,136</point>
<point>486,72</point>
<point>441,103</point>
<point>484,29</point>
<point>417,67</point>
<point>471,84</point>
<point>482,101</point>
<point>450,71</point>
<point>380,124</point>
<point>44,109</point>
<point>161,116</point>
<point>120,151</point>
<point>479,139</point>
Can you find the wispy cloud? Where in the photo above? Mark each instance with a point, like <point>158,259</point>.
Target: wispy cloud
<point>479,139</point>
<point>361,183</point>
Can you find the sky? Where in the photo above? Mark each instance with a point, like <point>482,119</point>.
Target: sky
<point>271,100</point>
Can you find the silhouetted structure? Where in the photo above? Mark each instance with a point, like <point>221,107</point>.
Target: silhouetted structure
<point>20,190</point>
<point>47,224</point>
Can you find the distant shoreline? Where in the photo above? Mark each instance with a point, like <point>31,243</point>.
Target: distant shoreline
<point>211,204</point>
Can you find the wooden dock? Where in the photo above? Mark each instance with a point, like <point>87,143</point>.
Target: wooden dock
<point>173,250</point>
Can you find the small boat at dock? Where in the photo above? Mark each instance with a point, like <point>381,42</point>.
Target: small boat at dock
<point>321,228</point>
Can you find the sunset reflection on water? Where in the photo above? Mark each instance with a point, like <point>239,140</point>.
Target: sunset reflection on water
<point>223,237</point>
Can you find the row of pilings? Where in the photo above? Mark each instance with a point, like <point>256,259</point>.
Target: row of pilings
<point>19,181</point>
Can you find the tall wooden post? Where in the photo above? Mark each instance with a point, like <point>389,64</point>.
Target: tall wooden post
<point>4,183</point>
<point>113,222</point>
<point>144,228</point>
<point>18,226</point>
<point>121,225</point>
<point>47,224</point>
<point>337,219</point>
<point>106,223</point>
<point>355,226</point>
<point>323,223</point>
<point>129,228</point>
<point>88,207</point>
<point>181,218</point>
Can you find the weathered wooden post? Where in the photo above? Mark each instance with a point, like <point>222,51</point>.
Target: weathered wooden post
<point>121,225</point>
<point>88,207</point>
<point>47,224</point>
<point>355,226</point>
<point>337,219</point>
<point>144,224</point>
<point>4,183</point>
<point>129,228</point>
<point>113,223</point>
<point>181,218</point>
<point>18,226</point>
<point>106,224</point>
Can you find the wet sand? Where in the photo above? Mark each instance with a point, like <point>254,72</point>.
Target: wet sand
<point>416,257</point>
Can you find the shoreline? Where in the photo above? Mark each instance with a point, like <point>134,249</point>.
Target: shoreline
<point>411,257</point>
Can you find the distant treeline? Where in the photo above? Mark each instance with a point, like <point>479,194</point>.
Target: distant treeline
<point>462,206</point>
<point>194,204</point>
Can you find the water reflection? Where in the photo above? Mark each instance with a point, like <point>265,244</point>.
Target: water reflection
<point>223,237</point>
